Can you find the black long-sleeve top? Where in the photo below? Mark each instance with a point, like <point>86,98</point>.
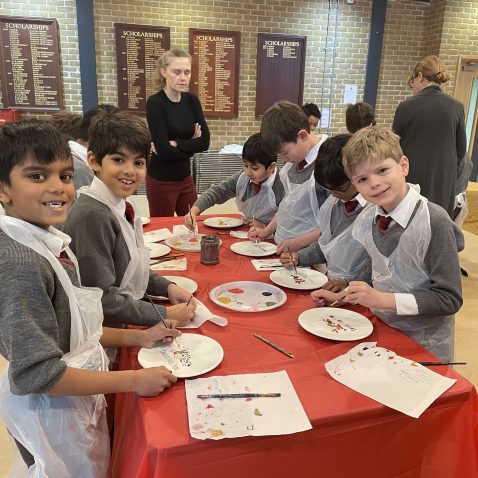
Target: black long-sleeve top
<point>169,120</point>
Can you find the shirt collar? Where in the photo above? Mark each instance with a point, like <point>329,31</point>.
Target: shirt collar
<point>104,192</point>
<point>358,198</point>
<point>404,210</point>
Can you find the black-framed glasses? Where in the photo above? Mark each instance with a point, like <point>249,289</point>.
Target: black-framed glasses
<point>342,190</point>
<point>410,81</point>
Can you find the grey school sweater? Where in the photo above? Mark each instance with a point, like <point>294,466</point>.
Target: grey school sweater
<point>103,257</point>
<point>34,318</point>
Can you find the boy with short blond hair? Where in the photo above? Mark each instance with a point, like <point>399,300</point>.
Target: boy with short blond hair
<point>51,395</point>
<point>285,130</point>
<point>106,229</point>
<point>412,243</point>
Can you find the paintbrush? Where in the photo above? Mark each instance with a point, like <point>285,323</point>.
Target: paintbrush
<point>193,222</point>
<point>442,363</point>
<point>162,318</point>
<point>239,395</point>
<point>273,345</point>
<point>165,259</point>
<point>254,226</point>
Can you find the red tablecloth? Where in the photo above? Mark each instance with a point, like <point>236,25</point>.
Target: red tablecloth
<point>352,435</point>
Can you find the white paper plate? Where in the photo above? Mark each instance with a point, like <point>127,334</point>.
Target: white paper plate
<point>251,249</point>
<point>185,242</point>
<point>145,220</point>
<point>201,354</point>
<point>223,222</point>
<point>248,296</point>
<point>305,279</point>
<point>184,282</point>
<point>335,324</point>
<point>156,235</point>
<point>157,250</point>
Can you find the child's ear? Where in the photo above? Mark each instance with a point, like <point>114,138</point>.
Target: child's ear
<point>271,167</point>
<point>303,134</point>
<point>92,162</point>
<point>404,164</point>
<point>4,193</point>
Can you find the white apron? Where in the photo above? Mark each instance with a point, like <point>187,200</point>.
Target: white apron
<point>136,276</point>
<point>68,436</point>
<point>298,212</point>
<point>345,257</point>
<point>403,272</point>
<point>262,206</point>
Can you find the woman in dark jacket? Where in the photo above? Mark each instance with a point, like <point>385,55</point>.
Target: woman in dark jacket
<point>431,126</point>
<point>178,130</point>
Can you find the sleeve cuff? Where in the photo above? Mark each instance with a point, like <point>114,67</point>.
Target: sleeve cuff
<point>406,304</point>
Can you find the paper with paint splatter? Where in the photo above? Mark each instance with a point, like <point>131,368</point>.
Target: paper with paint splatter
<point>215,418</point>
<point>384,376</point>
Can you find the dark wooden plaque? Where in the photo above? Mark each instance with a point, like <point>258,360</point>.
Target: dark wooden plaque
<point>30,60</point>
<point>138,48</point>
<point>215,71</point>
<point>280,69</point>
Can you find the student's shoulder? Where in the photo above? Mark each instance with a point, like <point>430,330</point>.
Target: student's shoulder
<point>443,229</point>
<point>89,211</point>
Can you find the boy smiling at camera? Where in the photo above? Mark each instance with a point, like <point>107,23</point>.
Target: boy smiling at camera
<point>412,243</point>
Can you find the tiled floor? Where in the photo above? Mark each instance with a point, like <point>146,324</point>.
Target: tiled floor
<point>466,323</point>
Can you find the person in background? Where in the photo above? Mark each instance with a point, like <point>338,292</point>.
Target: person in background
<point>106,229</point>
<point>313,114</point>
<point>358,116</point>
<point>51,395</point>
<point>431,126</point>
<point>285,130</point>
<point>178,130</point>
<point>412,243</point>
<point>257,188</point>
<point>68,124</point>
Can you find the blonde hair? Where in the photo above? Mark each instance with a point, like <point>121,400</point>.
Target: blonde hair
<point>165,60</point>
<point>431,69</point>
<point>373,144</point>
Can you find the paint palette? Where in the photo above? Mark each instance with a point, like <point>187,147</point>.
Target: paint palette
<point>335,324</point>
<point>157,250</point>
<point>223,222</point>
<point>248,296</point>
<point>305,279</point>
<point>185,242</point>
<point>198,354</point>
<point>254,249</point>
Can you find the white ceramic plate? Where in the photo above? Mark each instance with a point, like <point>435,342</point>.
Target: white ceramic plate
<point>185,242</point>
<point>145,220</point>
<point>184,282</point>
<point>199,354</point>
<point>223,222</point>
<point>252,249</point>
<point>335,324</point>
<point>157,250</point>
<point>248,296</point>
<point>305,279</point>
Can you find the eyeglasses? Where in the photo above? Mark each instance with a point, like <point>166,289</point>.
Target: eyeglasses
<point>411,80</point>
<point>342,190</point>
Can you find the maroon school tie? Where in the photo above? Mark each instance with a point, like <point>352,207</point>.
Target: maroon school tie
<point>129,213</point>
<point>302,165</point>
<point>350,206</point>
<point>257,187</point>
<point>384,221</point>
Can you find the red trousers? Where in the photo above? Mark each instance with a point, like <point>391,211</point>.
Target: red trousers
<point>168,197</point>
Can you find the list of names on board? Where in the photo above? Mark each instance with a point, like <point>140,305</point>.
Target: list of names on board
<point>215,71</point>
<point>280,69</point>
<point>30,54</point>
<point>138,48</point>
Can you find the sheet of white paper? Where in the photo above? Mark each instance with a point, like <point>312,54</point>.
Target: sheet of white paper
<point>202,314</point>
<point>350,94</point>
<point>325,118</point>
<point>157,235</point>
<point>384,376</point>
<point>237,417</point>
<point>172,265</point>
<point>179,229</point>
<point>239,234</point>
<point>266,264</point>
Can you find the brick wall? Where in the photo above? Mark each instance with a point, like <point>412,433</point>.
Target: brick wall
<point>413,29</point>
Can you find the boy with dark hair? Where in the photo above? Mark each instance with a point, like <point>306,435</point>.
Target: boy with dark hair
<point>346,259</point>
<point>257,188</point>
<point>313,114</point>
<point>412,243</point>
<point>285,131</point>
<point>106,229</point>
<point>359,116</point>
<point>50,325</point>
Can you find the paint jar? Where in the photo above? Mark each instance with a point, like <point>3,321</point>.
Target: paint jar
<point>210,250</point>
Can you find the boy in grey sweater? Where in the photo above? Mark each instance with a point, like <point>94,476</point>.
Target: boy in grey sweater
<point>106,230</point>
<point>258,189</point>
<point>412,243</point>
